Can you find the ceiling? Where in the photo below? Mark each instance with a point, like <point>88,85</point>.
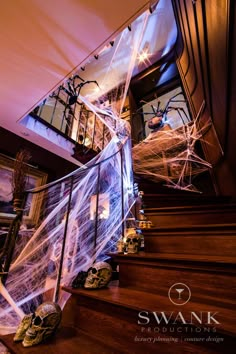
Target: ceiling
<point>42,44</point>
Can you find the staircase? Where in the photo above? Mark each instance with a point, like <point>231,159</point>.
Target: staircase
<point>176,297</point>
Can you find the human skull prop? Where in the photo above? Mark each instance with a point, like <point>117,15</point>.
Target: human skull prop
<point>132,241</point>
<point>120,246</point>
<point>176,169</point>
<point>99,276</point>
<point>44,323</point>
<point>22,328</point>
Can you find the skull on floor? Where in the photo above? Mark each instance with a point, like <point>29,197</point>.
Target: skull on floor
<point>22,328</point>
<point>98,276</point>
<point>44,323</point>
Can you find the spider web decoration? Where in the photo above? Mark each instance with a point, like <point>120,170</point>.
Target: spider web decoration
<point>34,271</point>
<point>170,156</point>
<point>66,237</point>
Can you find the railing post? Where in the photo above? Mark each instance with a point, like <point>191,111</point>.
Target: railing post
<point>56,294</point>
<point>79,123</point>
<point>122,192</point>
<point>97,205</point>
<point>103,136</point>
<point>94,126</point>
<point>64,113</point>
<point>86,127</point>
<point>41,107</point>
<point>54,108</point>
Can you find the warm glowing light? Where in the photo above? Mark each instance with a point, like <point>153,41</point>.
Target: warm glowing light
<point>87,141</point>
<point>97,89</point>
<point>143,56</point>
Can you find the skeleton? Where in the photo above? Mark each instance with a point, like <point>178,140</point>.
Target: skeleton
<point>36,327</point>
<point>98,276</point>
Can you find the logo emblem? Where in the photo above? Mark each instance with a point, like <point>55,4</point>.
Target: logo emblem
<point>179,294</point>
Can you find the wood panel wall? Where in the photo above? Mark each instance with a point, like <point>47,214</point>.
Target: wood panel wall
<point>206,52</point>
<point>55,166</point>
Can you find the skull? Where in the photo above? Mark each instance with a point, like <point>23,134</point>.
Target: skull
<point>44,323</point>
<point>176,169</point>
<point>98,276</point>
<point>120,246</point>
<point>141,194</point>
<point>132,241</point>
<point>22,328</point>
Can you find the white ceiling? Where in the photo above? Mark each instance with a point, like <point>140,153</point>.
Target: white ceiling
<point>43,42</point>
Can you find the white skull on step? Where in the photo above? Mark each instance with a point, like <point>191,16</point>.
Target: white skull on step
<point>132,241</point>
<point>99,275</point>
<point>44,323</point>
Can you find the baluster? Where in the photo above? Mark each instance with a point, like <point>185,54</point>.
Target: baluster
<point>122,192</point>
<point>56,294</point>
<point>97,205</point>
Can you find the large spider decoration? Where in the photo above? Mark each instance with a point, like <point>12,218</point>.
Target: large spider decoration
<point>73,88</point>
<point>159,116</point>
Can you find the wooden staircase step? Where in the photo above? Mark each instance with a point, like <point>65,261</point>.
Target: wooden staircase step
<point>208,240</point>
<point>116,309</point>
<point>225,263</point>
<point>67,340</point>
<point>165,200</point>
<point>192,215</point>
<point>156,273</point>
<point>106,321</point>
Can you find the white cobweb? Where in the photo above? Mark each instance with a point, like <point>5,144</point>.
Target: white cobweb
<point>170,156</point>
<point>64,223</point>
<point>66,236</point>
<point>36,263</point>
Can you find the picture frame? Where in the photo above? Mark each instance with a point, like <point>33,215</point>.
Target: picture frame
<point>35,178</point>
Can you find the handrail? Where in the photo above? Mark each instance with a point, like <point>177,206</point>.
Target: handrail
<point>85,168</point>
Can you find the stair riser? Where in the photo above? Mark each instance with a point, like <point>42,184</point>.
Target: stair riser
<point>205,244</point>
<point>167,200</point>
<point>119,328</point>
<point>187,217</point>
<point>206,287</point>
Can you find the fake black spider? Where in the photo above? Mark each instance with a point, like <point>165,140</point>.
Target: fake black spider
<point>73,88</point>
<point>159,116</point>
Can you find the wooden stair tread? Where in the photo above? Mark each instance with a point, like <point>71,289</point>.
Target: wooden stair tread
<point>198,207</point>
<point>67,340</point>
<point>216,228</point>
<point>144,301</point>
<point>189,198</point>
<point>178,257</point>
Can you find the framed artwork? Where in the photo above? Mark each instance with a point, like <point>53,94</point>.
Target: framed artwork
<point>35,178</point>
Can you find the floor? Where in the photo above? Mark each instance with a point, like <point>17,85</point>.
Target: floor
<point>3,349</point>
